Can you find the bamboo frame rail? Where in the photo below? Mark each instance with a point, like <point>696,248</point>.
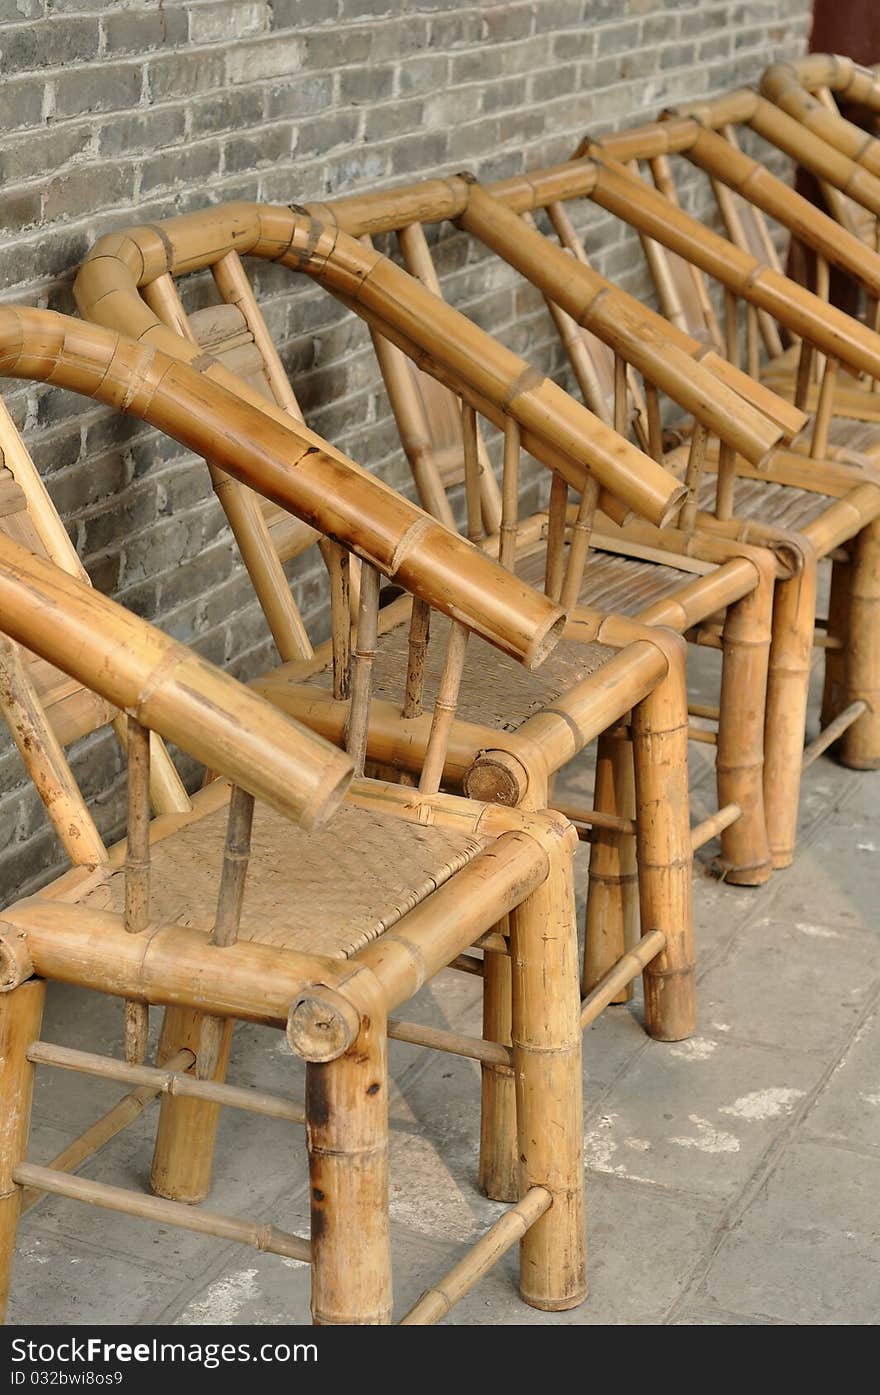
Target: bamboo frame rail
<point>555,429</point>
<point>285,462</point>
<point>183,697</point>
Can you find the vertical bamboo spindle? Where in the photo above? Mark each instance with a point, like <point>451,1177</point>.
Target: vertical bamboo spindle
<point>419,636</point>
<point>693,477</point>
<point>471,472</point>
<point>444,710</point>
<point>655,424</point>
<point>137,873</point>
<point>556,521</point>
<point>802,378</point>
<point>753,343</point>
<point>499,1164</point>
<point>336,559</point>
<point>621,396</point>
<point>612,917</point>
<point>21,1013</point>
<point>362,668</point>
<point>236,856</point>
<point>725,484</point>
<point>579,545</point>
<point>791,655</point>
<point>823,291</point>
<point>731,327</point>
<point>824,409</point>
<point>509,494</point>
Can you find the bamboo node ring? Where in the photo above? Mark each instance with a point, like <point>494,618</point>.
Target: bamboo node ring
<point>15,960</point>
<point>322,1024</point>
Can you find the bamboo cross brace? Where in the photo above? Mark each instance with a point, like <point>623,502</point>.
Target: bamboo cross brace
<point>176,1213</point>
<point>137,873</point>
<point>119,1117</point>
<point>627,968</point>
<point>439,1300</point>
<point>834,730</point>
<point>166,1080</point>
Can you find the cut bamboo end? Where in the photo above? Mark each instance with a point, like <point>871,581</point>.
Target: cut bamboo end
<point>322,1025</point>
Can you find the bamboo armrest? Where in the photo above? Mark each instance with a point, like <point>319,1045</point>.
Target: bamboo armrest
<point>169,688</point>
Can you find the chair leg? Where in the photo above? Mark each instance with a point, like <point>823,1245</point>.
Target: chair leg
<point>21,1014</point>
<point>547,1066</point>
<point>347,1133</point>
<point>861,745</point>
<point>788,681</point>
<point>739,764</point>
<point>184,1151</point>
<point>834,689</point>
<point>663,842</point>
<point>499,1165</point>
<point>612,919</point>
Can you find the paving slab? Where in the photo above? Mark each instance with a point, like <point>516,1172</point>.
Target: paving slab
<point>806,1251</point>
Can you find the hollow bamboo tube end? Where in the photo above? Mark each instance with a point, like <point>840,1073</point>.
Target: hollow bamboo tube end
<point>544,641</point>
<point>330,792</point>
<point>676,499</point>
<point>15,959</point>
<point>497,777</point>
<point>322,1025</point>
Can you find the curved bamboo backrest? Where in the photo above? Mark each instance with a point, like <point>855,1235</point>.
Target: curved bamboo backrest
<point>498,384</point>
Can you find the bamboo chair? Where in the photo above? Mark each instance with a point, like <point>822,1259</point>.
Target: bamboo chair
<point>510,734</point>
<point>813,505</point>
<point>445,449</point>
<point>171,916</point>
<point>810,92</point>
<point>697,378</point>
<point>466,586</point>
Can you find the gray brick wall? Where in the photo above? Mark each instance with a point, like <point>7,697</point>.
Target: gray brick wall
<point>116,111</point>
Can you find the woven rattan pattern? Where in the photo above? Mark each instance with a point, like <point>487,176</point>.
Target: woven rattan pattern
<point>328,893</point>
<point>611,583</point>
<point>495,691</point>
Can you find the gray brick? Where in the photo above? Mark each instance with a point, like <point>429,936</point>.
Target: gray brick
<point>302,96</point>
<point>184,74</point>
<point>106,87</point>
<point>48,44</point>
<point>180,166</point>
<point>143,30</point>
<point>211,24</point>
<point>88,188</point>
<point>271,58</point>
<point>21,104</point>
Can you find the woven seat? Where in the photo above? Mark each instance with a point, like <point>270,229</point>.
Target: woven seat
<point>767,502</point>
<point>612,583</point>
<point>365,871</point>
<point>495,690</point>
